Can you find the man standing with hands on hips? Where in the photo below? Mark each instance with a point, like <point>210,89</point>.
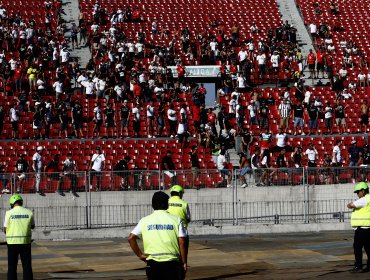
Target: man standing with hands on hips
<point>18,223</point>
<point>163,236</point>
<point>360,221</point>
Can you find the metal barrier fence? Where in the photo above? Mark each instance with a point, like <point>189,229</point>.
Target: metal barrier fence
<point>267,196</point>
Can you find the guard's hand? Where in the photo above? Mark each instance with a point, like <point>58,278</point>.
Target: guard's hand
<point>185,267</point>
<point>143,257</point>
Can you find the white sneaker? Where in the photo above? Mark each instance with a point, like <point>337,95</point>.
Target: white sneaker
<point>303,133</point>
<point>5,191</point>
<point>195,136</point>
<point>228,186</point>
<point>172,136</point>
<point>244,186</point>
<point>90,187</point>
<point>149,136</point>
<point>153,136</point>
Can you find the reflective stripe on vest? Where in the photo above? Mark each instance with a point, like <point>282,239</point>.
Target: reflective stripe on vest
<point>361,217</point>
<point>160,233</point>
<point>177,207</point>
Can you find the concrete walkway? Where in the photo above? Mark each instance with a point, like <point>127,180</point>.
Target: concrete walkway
<point>289,12</point>
<point>72,11</point>
<point>313,255</point>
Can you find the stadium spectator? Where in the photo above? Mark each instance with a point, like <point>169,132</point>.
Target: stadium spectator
<point>328,118</point>
<point>311,60</point>
<point>136,113</point>
<point>168,167</point>
<point>37,167</point>
<point>222,166</point>
<point>96,166</point>
<point>4,177</point>
<point>150,115</point>
<point>109,119</point>
<point>355,154</point>
<point>364,117</point>
<point>122,170</point>
<point>311,154</point>
<point>172,120</point>
<point>97,120</point>
<point>69,171</point>
<point>285,112</point>
<point>53,173</point>
<point>14,120</point>
<point>77,119</point>
<point>298,115</point>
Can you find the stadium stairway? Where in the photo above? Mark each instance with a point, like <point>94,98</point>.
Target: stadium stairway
<point>288,10</point>
<point>72,11</point>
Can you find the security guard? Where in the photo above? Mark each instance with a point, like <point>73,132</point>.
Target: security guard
<point>163,237</point>
<point>17,227</point>
<point>360,221</point>
<point>177,206</point>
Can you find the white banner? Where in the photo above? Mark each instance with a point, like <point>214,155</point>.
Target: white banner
<point>211,71</point>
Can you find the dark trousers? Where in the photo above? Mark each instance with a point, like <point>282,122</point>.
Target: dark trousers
<point>362,240</point>
<point>14,251</point>
<point>164,270</point>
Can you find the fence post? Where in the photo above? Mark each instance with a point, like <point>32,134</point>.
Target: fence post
<point>235,198</point>
<point>88,199</point>
<point>306,195</point>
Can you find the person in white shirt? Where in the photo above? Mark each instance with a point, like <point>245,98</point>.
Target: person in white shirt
<point>261,60</point>
<point>281,140</point>
<point>311,154</point>
<point>64,53</point>
<point>98,119</point>
<point>96,167</point>
<point>328,118</point>
<point>38,166</point>
<point>232,107</point>
<point>337,159</point>
<point>313,31</point>
<point>58,87</point>
<point>241,82</point>
<point>361,79</point>
<point>172,120</point>
<point>89,88</point>
<point>222,167</point>
<point>275,58</point>
<point>14,119</point>
<point>136,119</point>
<point>150,119</point>
<point>139,47</point>
<point>242,55</point>
<point>307,96</point>
<point>253,119</point>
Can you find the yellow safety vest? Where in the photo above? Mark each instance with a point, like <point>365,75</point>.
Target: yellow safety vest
<point>160,234</point>
<point>177,207</point>
<point>18,229</point>
<point>361,217</point>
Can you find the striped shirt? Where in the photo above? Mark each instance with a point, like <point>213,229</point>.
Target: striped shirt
<point>284,109</point>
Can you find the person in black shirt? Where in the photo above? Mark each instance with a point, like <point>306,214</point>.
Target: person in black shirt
<point>168,166</point>
<point>77,118</point>
<point>122,170</point>
<point>264,116</point>
<point>125,114</point>
<point>340,117</point>
<point>160,119</point>
<point>222,119</point>
<point>37,122</point>
<point>109,120</point>
<point>194,164</point>
<point>280,160</point>
<point>313,114</point>
<point>52,167</point>
<point>63,118</point>
<point>298,111</point>
<point>22,168</point>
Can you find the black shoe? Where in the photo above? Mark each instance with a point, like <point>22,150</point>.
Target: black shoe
<point>356,269</point>
<point>366,269</point>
